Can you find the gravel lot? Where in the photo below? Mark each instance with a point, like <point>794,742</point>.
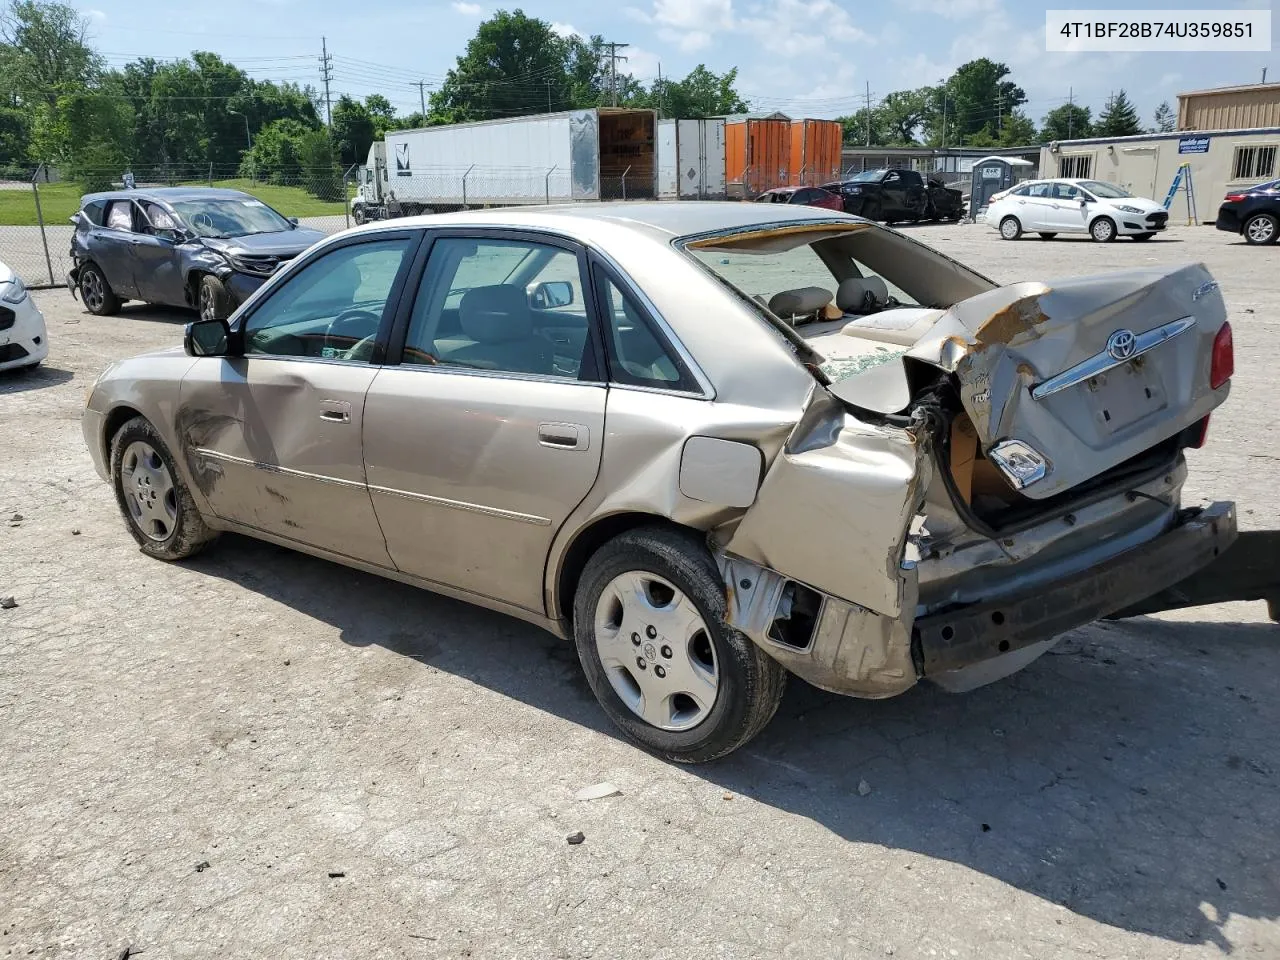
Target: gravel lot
<point>258,754</point>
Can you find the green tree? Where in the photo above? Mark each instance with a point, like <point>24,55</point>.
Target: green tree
<point>702,93</point>
<point>353,131</point>
<point>1119,118</point>
<point>505,70</point>
<point>1018,130</point>
<point>383,115</point>
<point>856,131</point>
<point>320,172</point>
<point>1164,118</point>
<point>903,112</point>
<point>277,152</point>
<point>47,54</point>
<point>1067,122</point>
<point>97,131</point>
<point>15,137</point>
<point>971,103</point>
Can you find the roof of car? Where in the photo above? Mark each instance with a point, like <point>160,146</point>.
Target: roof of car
<point>168,193</point>
<point>674,218</point>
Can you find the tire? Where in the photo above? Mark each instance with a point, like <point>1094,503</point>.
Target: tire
<point>358,216</point>
<point>213,300</point>
<point>675,591</point>
<point>1047,236</point>
<point>1140,237</point>
<point>1103,230</point>
<point>1010,228</point>
<point>96,295</point>
<point>154,501</point>
<point>1261,230</point>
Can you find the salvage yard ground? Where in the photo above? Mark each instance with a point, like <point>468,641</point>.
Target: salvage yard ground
<point>258,754</point>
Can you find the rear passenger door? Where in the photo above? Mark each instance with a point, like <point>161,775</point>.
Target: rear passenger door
<point>111,248</point>
<point>485,430</point>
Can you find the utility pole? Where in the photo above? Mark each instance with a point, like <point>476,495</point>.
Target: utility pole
<point>326,73</point>
<point>1071,109</point>
<point>1264,74</point>
<point>422,98</point>
<point>659,89</point>
<point>614,57</point>
<point>999,114</point>
<point>548,82</point>
<point>868,113</point>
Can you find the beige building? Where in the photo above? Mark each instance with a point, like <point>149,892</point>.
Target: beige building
<point>1145,165</point>
<point>1255,106</point>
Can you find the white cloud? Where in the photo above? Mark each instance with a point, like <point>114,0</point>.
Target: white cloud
<point>566,30</point>
<point>96,15</point>
<point>952,9</point>
<point>468,9</point>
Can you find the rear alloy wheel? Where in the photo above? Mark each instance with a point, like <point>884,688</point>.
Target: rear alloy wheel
<point>1261,230</point>
<point>1047,236</point>
<point>95,293</point>
<point>1103,230</point>
<point>649,624</point>
<point>214,300</point>
<point>1010,228</point>
<point>156,504</point>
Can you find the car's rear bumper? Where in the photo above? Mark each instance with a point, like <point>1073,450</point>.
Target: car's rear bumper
<point>964,636</point>
<point>1229,219</point>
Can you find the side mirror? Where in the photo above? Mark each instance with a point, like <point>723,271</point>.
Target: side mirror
<point>294,221</point>
<point>551,294</point>
<point>1084,202</point>
<point>207,338</point>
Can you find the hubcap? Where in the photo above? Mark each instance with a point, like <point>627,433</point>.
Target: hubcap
<point>1010,229</point>
<point>91,289</point>
<point>656,651</point>
<point>149,491</point>
<point>1260,230</point>
<point>1102,230</point>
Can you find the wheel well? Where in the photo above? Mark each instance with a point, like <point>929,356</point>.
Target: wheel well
<point>116,419</point>
<point>193,286</point>
<point>1102,216</point>
<point>587,542</point>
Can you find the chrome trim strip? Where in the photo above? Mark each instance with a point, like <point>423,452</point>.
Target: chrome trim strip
<point>463,505</point>
<point>1100,363</point>
<point>275,468</point>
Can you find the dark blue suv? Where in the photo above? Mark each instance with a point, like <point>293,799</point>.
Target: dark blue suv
<point>180,247</point>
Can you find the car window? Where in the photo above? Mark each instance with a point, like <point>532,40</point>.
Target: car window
<point>803,196</point>
<point>638,356</point>
<point>1068,191</point>
<point>1043,190</point>
<point>892,178</point>
<point>120,215</point>
<point>509,306</point>
<point>332,308</point>
<point>1021,191</point>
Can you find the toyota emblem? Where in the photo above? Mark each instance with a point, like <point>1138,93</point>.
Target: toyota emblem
<point>1120,344</point>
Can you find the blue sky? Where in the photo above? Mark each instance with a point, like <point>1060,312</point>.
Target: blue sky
<point>804,57</point>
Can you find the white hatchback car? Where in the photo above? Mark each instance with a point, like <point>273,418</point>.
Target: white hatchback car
<point>1049,207</point>
<point>24,341</point>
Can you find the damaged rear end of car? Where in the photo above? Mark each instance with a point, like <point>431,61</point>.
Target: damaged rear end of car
<point>1003,463</point>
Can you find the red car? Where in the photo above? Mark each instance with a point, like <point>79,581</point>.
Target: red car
<point>806,196</point>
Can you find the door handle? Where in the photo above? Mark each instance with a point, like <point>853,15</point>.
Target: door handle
<point>564,436</point>
<point>335,411</point>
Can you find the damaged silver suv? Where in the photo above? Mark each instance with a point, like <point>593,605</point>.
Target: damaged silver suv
<point>713,444</point>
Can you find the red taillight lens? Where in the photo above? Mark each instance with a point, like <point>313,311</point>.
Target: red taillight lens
<point>1202,434</point>
<point>1233,197</point>
<point>1223,364</point>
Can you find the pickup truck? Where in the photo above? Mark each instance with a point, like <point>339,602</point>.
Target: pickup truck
<point>893,195</point>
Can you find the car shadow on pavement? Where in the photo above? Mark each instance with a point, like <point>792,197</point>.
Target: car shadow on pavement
<point>32,378</point>
<point>1130,775</point>
<point>150,313</point>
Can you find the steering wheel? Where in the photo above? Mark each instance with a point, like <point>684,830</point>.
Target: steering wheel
<point>362,320</point>
<point>361,350</point>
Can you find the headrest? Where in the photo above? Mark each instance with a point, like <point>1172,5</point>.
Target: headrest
<point>799,303</point>
<point>851,295</point>
<point>497,313</point>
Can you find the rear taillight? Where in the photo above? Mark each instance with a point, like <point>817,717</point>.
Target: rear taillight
<point>1200,434</point>
<point>1223,364</point>
<point>1234,197</point>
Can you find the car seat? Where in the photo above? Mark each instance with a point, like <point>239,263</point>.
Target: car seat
<point>498,321</point>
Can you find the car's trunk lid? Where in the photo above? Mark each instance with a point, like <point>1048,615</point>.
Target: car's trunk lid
<point>1084,373</point>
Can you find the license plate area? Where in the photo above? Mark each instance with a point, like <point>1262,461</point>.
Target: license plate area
<point>1123,396</point>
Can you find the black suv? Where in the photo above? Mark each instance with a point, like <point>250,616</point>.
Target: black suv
<point>179,247</point>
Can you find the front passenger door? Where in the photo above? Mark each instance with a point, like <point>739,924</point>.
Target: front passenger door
<point>274,436</point>
<point>158,277</point>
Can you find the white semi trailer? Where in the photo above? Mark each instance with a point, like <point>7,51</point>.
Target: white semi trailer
<point>598,154</point>
<point>691,159</point>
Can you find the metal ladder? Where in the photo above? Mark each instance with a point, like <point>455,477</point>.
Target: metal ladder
<point>1184,173</point>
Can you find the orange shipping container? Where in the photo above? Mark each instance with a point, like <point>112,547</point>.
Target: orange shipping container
<point>815,151</point>
<point>757,155</point>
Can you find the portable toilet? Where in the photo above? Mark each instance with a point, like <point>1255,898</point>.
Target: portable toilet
<point>990,176</point>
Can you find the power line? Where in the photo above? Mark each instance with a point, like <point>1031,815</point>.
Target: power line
<point>614,57</point>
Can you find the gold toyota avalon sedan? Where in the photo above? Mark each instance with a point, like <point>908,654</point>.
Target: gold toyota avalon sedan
<point>712,443</point>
